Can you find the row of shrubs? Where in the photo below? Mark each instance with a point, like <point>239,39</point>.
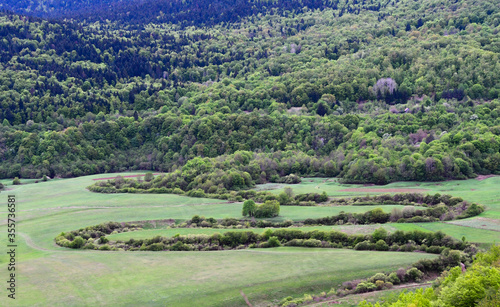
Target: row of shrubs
<point>407,215</point>
<point>380,281</point>
<point>306,199</point>
<point>379,240</point>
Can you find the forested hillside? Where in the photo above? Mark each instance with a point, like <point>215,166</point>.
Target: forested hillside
<point>370,91</point>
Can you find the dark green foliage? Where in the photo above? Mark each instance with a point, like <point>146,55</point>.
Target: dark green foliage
<point>394,279</point>
<point>16,181</point>
<point>273,242</point>
<point>78,242</point>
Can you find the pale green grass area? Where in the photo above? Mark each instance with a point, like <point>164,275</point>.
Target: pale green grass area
<point>53,276</point>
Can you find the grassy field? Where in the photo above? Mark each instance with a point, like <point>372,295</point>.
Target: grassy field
<point>51,275</point>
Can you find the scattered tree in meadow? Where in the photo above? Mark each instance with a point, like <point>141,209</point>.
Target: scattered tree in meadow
<point>249,208</point>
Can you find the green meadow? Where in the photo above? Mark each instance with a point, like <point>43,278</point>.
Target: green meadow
<point>56,276</point>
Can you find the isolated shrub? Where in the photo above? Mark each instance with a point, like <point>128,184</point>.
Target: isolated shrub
<point>44,178</point>
<point>16,181</point>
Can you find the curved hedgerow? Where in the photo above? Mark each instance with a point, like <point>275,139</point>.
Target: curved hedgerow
<point>94,237</point>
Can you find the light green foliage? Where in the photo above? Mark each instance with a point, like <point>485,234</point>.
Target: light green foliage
<point>379,234</point>
<point>273,242</point>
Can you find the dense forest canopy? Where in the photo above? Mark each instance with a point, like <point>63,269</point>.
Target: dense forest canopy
<point>367,90</point>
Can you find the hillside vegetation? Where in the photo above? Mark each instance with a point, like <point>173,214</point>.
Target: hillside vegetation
<point>369,91</point>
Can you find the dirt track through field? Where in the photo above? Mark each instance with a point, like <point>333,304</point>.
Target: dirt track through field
<point>393,190</point>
